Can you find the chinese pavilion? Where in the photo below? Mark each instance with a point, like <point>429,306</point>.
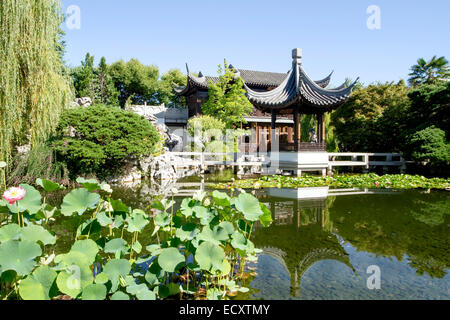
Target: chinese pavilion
<point>278,99</point>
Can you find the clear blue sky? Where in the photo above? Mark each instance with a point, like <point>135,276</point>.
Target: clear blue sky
<point>260,34</point>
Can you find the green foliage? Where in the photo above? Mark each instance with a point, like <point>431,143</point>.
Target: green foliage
<point>136,83</point>
<point>166,93</point>
<point>93,82</point>
<point>373,119</point>
<point>399,181</point>
<point>429,146</point>
<point>103,138</point>
<point>205,127</point>
<point>188,256</point>
<point>34,89</point>
<point>428,72</point>
<point>227,100</point>
<point>40,161</point>
<point>429,107</point>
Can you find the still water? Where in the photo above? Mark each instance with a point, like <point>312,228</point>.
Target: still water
<point>326,244</point>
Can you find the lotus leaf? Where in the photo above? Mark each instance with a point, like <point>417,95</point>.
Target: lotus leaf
<point>78,201</point>
<point>19,256</point>
<point>37,286</point>
<point>32,201</point>
<point>141,292</point>
<point>187,232</point>
<point>115,269</point>
<point>117,245</point>
<point>221,198</point>
<point>48,186</point>
<point>209,256</point>
<point>120,296</point>
<point>249,206</point>
<point>94,292</point>
<point>37,234</point>
<point>170,258</point>
<point>87,247</point>
<point>10,232</point>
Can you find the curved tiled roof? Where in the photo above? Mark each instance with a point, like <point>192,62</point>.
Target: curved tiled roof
<point>288,89</point>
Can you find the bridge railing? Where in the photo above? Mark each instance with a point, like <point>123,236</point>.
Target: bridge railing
<point>366,159</point>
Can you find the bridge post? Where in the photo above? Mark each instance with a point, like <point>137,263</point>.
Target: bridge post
<point>367,163</point>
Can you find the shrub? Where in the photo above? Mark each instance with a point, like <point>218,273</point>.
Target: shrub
<point>430,146</point>
<point>205,124</point>
<point>99,139</point>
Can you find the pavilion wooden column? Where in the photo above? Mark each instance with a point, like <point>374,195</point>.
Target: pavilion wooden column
<point>297,132</point>
<point>273,129</point>
<point>321,128</point>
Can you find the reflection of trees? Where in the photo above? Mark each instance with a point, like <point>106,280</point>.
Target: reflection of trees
<point>409,223</point>
<point>300,237</point>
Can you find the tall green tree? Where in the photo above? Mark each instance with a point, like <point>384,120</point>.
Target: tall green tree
<point>136,82</point>
<point>373,119</point>
<point>430,106</point>
<point>34,89</point>
<point>107,93</point>
<point>227,100</point>
<point>428,72</point>
<point>166,93</point>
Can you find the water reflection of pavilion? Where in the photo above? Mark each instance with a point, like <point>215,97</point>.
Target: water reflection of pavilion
<point>302,233</point>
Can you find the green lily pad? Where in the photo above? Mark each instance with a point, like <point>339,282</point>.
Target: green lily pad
<point>216,235</point>
<point>221,198</point>
<point>141,292</point>
<point>104,219</point>
<point>249,206</point>
<point>90,185</point>
<point>19,256</point>
<point>48,186</point>
<point>10,232</point>
<point>162,219</point>
<point>239,241</point>
<point>214,294</point>
<point>77,274</point>
<point>37,234</point>
<point>185,208</point>
<point>32,201</point>
<point>137,247</point>
<point>187,232</point>
<point>266,218</point>
<point>117,245</point>
<point>115,269</point>
<point>209,256</point>
<point>227,226</point>
<point>120,296</point>
<point>101,278</point>
<point>87,247</point>
<point>137,223</point>
<point>37,286</point>
<point>78,201</point>
<point>94,292</point>
<point>119,206</point>
<point>170,258</point>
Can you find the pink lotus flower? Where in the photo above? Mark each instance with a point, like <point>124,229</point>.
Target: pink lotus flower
<point>377,184</point>
<point>12,195</point>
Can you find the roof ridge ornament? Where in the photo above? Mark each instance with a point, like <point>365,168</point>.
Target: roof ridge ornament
<point>297,55</point>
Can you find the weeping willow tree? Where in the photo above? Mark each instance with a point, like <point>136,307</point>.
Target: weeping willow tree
<point>34,88</point>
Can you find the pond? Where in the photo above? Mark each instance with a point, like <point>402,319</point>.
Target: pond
<point>329,244</point>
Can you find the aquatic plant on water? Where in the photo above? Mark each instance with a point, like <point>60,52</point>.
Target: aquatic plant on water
<point>370,181</point>
<point>199,251</point>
